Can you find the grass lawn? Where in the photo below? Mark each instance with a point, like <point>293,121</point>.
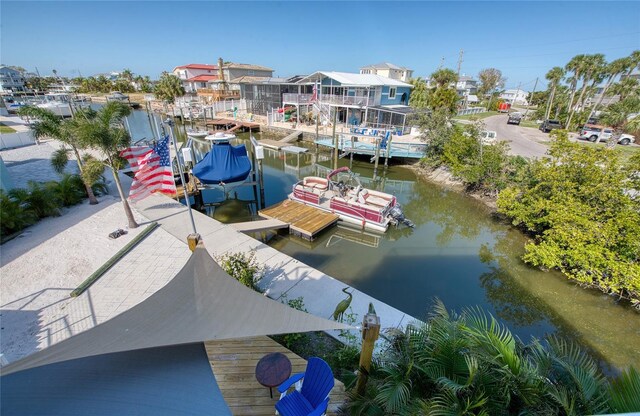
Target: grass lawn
<point>529,123</point>
<point>6,129</point>
<point>625,151</point>
<point>476,116</point>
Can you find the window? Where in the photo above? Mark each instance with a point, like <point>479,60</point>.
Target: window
<point>392,93</point>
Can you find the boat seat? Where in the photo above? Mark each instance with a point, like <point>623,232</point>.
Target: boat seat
<point>316,182</point>
<point>375,198</point>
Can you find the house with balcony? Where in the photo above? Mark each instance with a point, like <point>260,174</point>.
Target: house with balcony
<point>11,80</point>
<point>466,86</point>
<point>385,69</point>
<point>232,76</point>
<point>352,99</point>
<point>515,96</point>
<point>195,76</point>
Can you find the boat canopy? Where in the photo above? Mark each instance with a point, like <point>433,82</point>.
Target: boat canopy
<point>336,171</point>
<point>225,163</point>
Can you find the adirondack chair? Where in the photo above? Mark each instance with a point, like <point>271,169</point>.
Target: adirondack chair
<point>312,397</point>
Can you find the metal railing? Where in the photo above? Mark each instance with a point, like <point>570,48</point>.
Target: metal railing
<point>359,100</point>
<point>472,110</point>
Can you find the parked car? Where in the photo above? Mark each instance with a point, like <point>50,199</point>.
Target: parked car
<point>549,125</point>
<point>489,137</point>
<point>514,118</point>
<point>592,132</point>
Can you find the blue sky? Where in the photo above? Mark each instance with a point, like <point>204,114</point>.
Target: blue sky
<point>523,39</point>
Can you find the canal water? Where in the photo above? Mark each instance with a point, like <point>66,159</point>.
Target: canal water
<point>457,253</point>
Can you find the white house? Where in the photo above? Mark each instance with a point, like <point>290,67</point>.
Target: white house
<point>515,96</point>
<point>195,76</point>
<point>11,80</point>
<point>466,86</point>
<point>385,69</point>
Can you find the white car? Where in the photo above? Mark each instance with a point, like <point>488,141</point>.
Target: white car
<point>489,137</point>
<point>592,132</point>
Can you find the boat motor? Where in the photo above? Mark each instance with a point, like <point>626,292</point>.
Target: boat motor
<point>398,216</point>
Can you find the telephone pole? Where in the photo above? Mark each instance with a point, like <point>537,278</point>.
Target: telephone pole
<point>532,92</point>
<point>460,61</point>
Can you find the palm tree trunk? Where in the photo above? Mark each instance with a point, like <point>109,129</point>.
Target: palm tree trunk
<point>550,105</point>
<point>573,93</point>
<point>604,91</point>
<point>125,204</point>
<point>584,88</point>
<point>92,197</point>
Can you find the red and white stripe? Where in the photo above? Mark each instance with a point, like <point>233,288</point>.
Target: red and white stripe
<point>149,175</point>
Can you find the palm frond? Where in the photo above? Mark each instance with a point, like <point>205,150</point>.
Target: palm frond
<point>624,392</point>
<point>59,160</point>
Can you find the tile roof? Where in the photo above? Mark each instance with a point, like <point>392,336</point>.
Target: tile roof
<point>202,78</point>
<point>234,65</point>
<point>196,66</point>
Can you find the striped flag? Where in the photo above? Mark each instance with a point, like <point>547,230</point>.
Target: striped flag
<point>152,170</point>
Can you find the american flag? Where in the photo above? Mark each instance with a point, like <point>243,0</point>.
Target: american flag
<point>152,170</point>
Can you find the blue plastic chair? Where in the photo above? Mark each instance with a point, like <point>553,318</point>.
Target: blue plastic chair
<point>312,398</point>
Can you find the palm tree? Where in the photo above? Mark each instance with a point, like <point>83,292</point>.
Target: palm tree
<point>634,58</point>
<point>444,77</point>
<point>169,87</point>
<point>104,132</point>
<point>50,125</point>
<point>614,69</point>
<point>574,66</point>
<point>127,75</point>
<point>554,76</point>
<point>589,67</point>
<point>471,364</point>
<point>626,87</point>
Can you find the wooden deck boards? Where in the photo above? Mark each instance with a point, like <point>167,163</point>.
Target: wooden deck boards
<point>234,363</point>
<point>304,219</point>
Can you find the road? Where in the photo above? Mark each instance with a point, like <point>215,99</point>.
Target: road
<point>524,141</point>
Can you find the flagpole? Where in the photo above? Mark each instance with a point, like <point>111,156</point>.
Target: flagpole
<point>169,122</point>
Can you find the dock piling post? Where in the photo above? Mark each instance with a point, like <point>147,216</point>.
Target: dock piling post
<point>370,333</point>
<point>335,139</point>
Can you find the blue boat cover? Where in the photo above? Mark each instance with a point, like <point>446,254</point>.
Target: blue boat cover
<point>224,163</point>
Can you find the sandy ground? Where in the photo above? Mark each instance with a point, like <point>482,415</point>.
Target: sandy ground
<point>42,266</point>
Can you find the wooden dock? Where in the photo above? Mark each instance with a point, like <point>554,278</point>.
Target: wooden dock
<point>234,363</point>
<point>255,226</point>
<point>232,125</point>
<point>303,220</point>
<point>272,144</point>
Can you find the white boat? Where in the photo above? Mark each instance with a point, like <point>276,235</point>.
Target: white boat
<point>347,198</point>
<point>220,137</point>
<point>59,103</point>
<point>198,134</point>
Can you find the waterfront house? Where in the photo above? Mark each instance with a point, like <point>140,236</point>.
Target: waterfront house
<point>11,80</point>
<point>354,99</point>
<point>195,76</point>
<point>466,86</point>
<point>515,96</point>
<point>388,70</point>
<point>225,87</point>
<point>264,94</point>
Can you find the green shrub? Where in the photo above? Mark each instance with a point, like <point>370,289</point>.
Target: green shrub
<point>14,215</point>
<point>69,190</point>
<point>470,364</point>
<point>581,208</point>
<point>243,267</point>
<point>37,198</point>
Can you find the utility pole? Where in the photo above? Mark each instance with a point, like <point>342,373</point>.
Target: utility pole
<point>460,61</point>
<point>532,92</point>
<point>516,94</point>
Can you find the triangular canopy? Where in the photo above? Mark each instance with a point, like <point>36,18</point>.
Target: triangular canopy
<point>201,303</point>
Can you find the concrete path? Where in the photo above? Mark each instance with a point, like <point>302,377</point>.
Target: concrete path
<point>15,123</point>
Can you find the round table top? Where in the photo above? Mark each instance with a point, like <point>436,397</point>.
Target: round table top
<point>273,369</point>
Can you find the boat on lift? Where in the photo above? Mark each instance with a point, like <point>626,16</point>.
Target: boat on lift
<point>342,193</point>
<point>224,165</point>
